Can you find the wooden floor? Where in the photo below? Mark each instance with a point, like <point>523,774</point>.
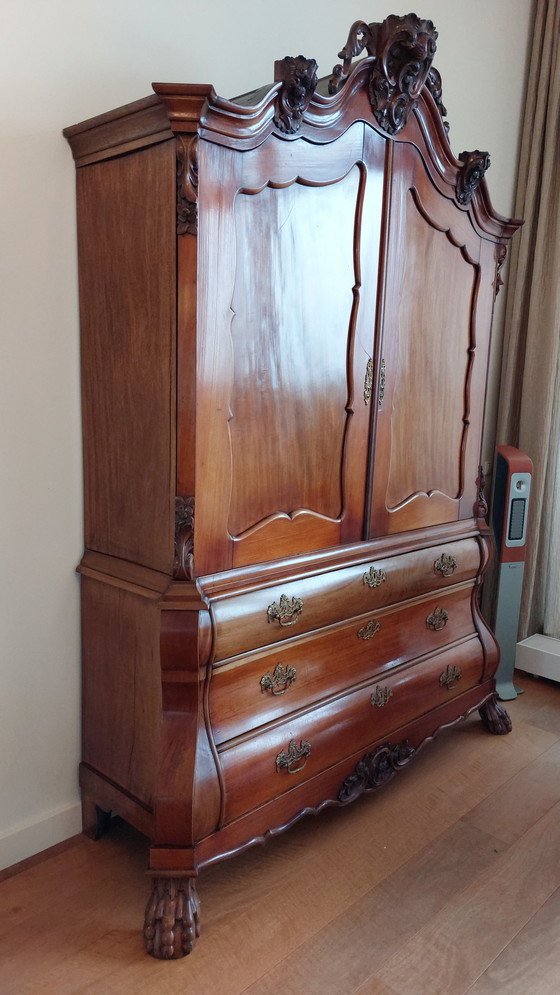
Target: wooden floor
<point>446,881</point>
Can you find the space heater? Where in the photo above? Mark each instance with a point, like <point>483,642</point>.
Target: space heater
<point>510,505</point>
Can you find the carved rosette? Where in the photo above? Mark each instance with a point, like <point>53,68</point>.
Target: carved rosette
<point>403,48</point>
<point>171,926</point>
<point>474,167</point>
<point>299,78</point>
<point>184,538</point>
<point>375,769</point>
<point>187,185</point>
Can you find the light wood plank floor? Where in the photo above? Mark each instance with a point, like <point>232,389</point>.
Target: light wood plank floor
<point>445,882</point>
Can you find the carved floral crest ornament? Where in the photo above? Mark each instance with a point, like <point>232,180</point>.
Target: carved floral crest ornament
<point>403,48</point>
<point>299,78</point>
<point>475,165</point>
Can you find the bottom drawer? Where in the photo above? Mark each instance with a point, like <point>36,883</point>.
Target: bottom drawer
<point>262,765</point>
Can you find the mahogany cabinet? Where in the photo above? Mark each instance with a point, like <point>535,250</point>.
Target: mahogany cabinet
<point>286,304</point>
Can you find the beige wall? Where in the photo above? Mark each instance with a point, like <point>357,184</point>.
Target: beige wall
<point>63,61</point>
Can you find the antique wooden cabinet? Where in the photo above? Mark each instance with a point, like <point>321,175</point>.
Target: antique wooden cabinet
<point>286,303</point>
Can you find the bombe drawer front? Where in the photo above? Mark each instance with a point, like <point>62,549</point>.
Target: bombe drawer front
<point>273,614</point>
<point>269,762</point>
<point>258,688</point>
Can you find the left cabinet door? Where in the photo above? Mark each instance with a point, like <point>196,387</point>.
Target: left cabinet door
<point>288,245</point>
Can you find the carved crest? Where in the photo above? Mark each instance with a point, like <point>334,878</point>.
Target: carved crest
<point>299,78</point>
<point>184,538</point>
<point>403,48</point>
<point>475,165</point>
<point>375,769</point>
<point>187,185</point>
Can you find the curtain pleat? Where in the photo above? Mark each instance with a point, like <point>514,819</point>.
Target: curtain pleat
<point>529,406</point>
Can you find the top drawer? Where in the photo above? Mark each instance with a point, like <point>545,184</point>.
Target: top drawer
<point>272,614</point>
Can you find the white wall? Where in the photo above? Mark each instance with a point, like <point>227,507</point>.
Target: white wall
<point>63,61</point>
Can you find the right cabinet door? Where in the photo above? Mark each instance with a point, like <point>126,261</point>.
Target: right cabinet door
<point>435,328</point>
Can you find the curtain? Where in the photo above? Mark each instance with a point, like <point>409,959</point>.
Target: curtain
<point>529,406</point>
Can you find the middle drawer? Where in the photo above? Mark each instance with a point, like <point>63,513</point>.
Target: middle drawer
<point>259,687</point>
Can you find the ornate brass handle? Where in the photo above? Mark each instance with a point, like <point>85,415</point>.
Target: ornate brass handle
<point>445,565</point>
<point>279,681</point>
<point>292,756</point>
<point>368,382</point>
<point>287,612</point>
<point>369,630</point>
<point>381,696</point>
<point>450,677</point>
<point>437,620</point>
<point>382,383</point>
<point>373,577</point>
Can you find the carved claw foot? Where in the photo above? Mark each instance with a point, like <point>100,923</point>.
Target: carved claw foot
<point>171,926</point>
<point>495,718</point>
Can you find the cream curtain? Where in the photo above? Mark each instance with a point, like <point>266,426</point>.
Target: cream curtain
<point>529,409</point>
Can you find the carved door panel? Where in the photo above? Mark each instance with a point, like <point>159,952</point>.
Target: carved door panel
<point>433,369</point>
<point>288,258</point>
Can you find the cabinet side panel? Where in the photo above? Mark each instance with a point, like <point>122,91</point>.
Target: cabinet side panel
<point>127,254</point>
<point>121,686</point>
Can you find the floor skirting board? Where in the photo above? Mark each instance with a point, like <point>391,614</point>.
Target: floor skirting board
<point>29,838</point>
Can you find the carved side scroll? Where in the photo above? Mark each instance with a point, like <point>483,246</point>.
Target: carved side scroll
<point>433,84</point>
<point>481,505</point>
<point>475,165</point>
<point>184,538</point>
<point>403,48</point>
<point>502,253</point>
<point>375,769</point>
<point>187,185</point>
<point>299,79</point>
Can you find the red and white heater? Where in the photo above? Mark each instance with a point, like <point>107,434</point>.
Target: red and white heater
<point>510,505</point>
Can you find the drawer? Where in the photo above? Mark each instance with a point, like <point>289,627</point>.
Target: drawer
<point>269,762</point>
<point>260,687</point>
<point>273,614</point>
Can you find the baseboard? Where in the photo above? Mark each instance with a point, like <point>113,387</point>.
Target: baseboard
<point>29,838</point>
<point>539,655</point>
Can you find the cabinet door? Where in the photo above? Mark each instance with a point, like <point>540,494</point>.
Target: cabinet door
<point>288,259</point>
<point>437,310</point>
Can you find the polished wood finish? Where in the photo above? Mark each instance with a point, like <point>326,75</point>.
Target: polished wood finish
<point>452,868</point>
<point>286,304</point>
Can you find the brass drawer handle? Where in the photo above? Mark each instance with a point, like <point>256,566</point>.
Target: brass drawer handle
<point>373,577</point>
<point>381,696</point>
<point>279,681</point>
<point>287,612</point>
<point>437,620</point>
<point>369,630</point>
<point>450,677</point>
<point>382,383</point>
<point>445,565</point>
<point>293,755</point>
